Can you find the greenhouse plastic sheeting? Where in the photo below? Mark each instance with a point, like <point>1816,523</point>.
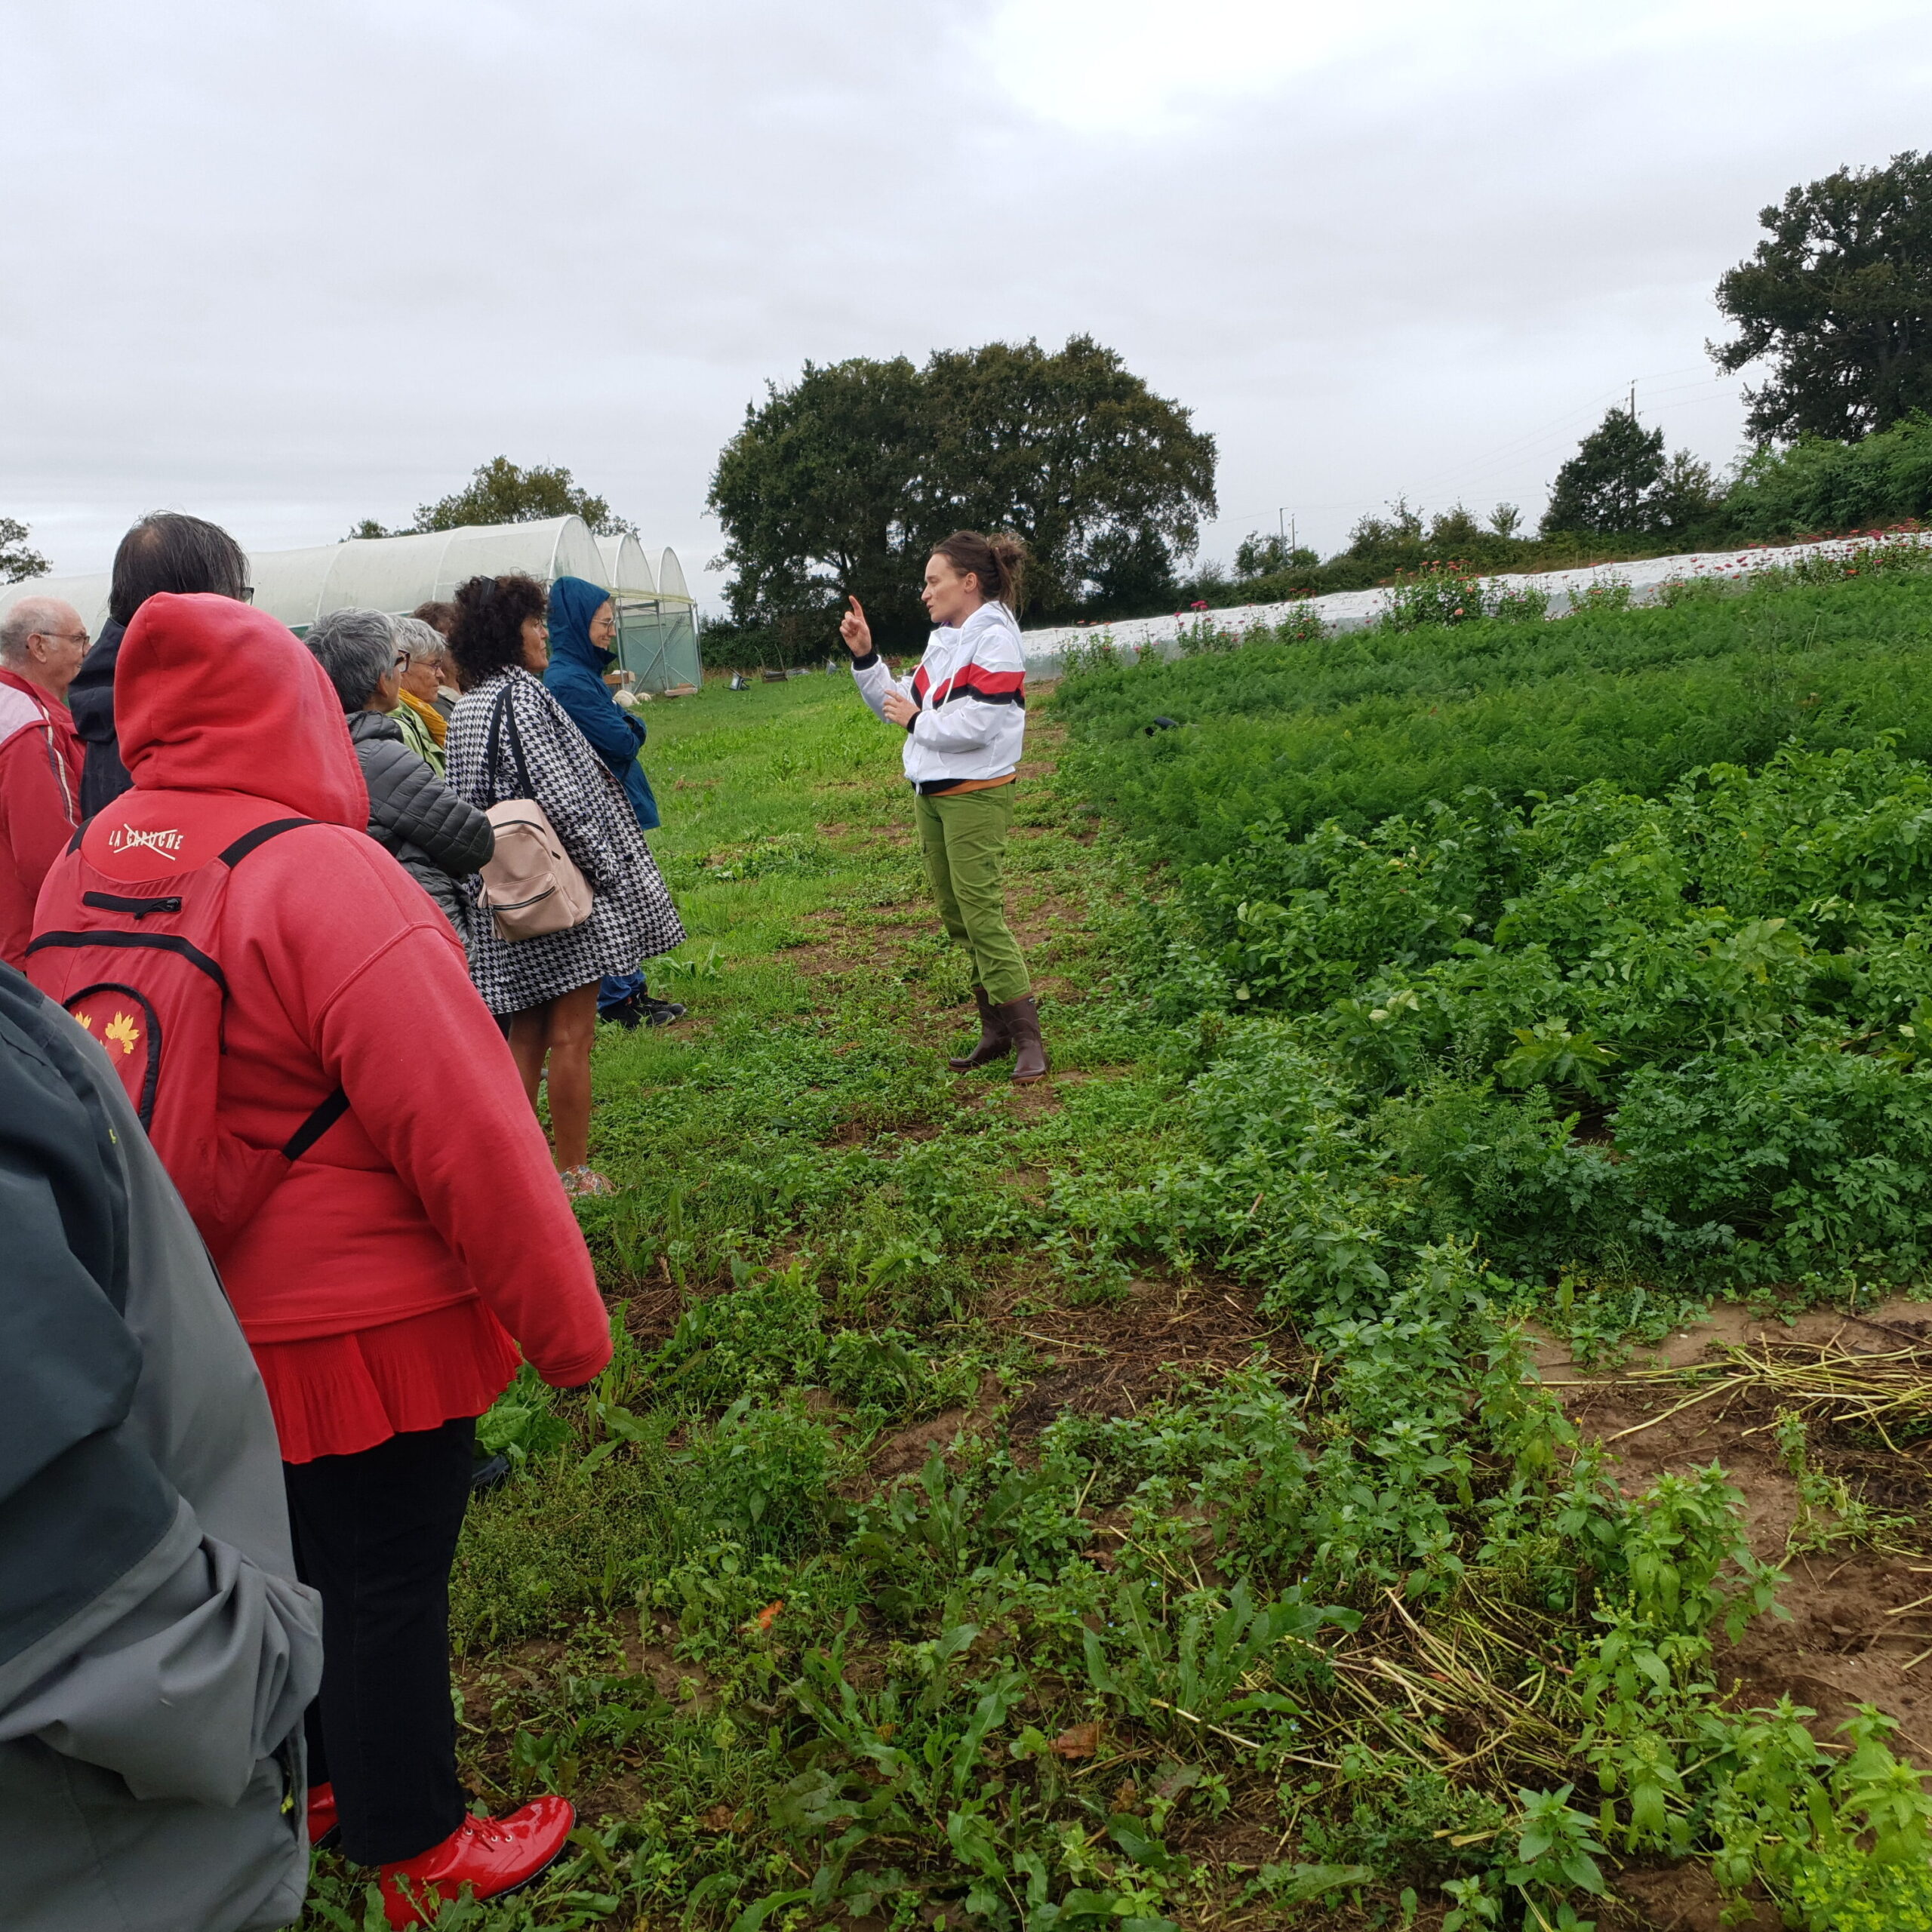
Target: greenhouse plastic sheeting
<point>657,641</point>
<point>396,573</point>
<point>671,576</point>
<point>657,637</point>
<point>626,566</point>
<point>88,595</point>
<point>656,618</point>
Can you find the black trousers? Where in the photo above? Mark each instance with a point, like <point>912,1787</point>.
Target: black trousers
<point>376,1534</point>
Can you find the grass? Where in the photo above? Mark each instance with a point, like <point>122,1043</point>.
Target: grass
<point>1117,1503</point>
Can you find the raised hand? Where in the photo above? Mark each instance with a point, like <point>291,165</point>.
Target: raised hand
<point>853,629</point>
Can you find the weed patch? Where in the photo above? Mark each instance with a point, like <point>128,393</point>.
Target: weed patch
<point>1252,1570</point>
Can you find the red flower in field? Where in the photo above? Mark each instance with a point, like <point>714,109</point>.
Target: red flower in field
<point>1199,604</point>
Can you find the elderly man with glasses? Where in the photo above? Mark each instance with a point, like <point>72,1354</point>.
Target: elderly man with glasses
<point>42,641</point>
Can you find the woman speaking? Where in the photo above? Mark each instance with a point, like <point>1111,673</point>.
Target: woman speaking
<point>963,712</point>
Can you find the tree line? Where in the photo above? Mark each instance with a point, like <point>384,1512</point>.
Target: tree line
<point>837,483</point>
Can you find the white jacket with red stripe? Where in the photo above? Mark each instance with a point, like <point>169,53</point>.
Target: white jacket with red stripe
<point>971,688</point>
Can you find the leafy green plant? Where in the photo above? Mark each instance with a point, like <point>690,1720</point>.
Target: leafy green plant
<point>1828,1513</point>
<point>523,1422</point>
<point>763,1475</point>
<point>1602,593</point>
<point>1437,594</point>
<point>1547,1052</point>
<point>1839,1890</point>
<point>1556,1854</point>
<point>1210,1665</point>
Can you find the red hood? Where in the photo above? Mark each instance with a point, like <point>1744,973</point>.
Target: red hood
<point>213,696</point>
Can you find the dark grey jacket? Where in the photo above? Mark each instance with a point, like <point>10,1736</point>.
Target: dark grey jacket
<point>438,838</point>
<point>90,700</point>
<point>156,1653</point>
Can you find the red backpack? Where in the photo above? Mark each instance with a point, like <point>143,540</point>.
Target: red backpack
<point>144,977</point>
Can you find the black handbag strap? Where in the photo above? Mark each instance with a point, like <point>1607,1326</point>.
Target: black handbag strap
<point>494,750</point>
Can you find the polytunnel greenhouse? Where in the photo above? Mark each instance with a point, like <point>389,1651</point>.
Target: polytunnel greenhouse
<point>657,638</point>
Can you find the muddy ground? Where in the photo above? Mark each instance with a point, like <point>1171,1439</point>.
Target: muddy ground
<point>1860,1626</point>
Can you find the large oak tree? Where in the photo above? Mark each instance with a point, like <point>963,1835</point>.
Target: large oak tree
<point>1839,300</point>
<point>839,483</point>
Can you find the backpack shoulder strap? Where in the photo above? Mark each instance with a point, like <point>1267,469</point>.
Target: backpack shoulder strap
<point>333,1108</point>
<point>317,1124</point>
<point>506,705</point>
<point>231,855</point>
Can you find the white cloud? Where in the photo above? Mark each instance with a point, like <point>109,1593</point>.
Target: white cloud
<point>1147,66</point>
<point>294,266</point>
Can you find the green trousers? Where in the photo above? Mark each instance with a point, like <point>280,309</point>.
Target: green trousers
<point>962,838</point>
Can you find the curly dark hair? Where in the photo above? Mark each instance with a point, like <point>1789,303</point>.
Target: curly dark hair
<point>488,637</point>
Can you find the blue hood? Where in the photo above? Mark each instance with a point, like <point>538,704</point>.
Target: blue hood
<point>572,603</point>
<point>575,678</point>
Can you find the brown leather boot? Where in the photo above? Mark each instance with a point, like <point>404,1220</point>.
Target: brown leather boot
<point>994,1044</point>
<point>1022,1018</point>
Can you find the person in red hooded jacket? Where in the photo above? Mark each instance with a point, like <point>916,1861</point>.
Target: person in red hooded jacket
<point>41,642</point>
<point>388,1282</point>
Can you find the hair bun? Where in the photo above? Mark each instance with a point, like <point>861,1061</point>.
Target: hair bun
<point>996,561</point>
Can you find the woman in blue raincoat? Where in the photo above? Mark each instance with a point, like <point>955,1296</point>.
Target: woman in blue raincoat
<point>583,627</point>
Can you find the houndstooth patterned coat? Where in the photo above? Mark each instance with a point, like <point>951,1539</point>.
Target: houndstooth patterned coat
<point>632,918</point>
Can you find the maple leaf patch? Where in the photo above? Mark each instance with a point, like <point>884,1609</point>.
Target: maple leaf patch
<point>123,1032</point>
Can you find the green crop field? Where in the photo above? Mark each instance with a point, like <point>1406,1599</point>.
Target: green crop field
<point>1359,726</point>
<point>1131,1503</point>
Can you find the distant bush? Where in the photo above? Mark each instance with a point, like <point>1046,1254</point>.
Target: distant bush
<point>1817,485</point>
<point>1452,593</point>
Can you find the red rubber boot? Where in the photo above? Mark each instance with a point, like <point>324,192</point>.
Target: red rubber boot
<point>322,1813</point>
<point>491,1856</point>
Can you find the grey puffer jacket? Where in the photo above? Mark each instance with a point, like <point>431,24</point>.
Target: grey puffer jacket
<point>437,836</point>
<point>156,1652</point>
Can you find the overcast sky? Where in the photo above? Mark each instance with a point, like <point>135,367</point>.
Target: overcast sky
<point>290,266</point>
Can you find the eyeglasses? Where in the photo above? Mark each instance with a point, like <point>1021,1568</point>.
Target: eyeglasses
<point>247,593</point>
<point>68,636</point>
<point>402,660</point>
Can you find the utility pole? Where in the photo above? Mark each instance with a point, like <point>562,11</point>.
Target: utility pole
<point>1633,399</point>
